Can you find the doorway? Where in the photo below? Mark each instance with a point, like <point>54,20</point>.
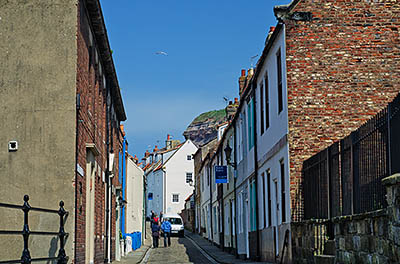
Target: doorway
<point>277,210</point>
<point>90,191</point>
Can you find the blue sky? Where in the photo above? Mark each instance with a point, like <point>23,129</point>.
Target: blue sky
<point>208,42</point>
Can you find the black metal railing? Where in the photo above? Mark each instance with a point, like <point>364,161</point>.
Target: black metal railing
<point>345,178</point>
<point>62,235</point>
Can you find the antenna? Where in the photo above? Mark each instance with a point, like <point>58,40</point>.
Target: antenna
<point>252,58</point>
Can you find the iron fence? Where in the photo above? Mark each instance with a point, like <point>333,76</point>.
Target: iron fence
<point>62,258</point>
<point>345,178</point>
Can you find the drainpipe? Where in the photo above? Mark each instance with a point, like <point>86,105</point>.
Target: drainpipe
<point>78,107</point>
<point>256,171</point>
<point>109,149</point>
<point>123,186</point>
<point>234,187</point>
<point>211,208</point>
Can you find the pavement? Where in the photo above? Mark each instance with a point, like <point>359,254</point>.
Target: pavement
<point>213,253</point>
<point>138,255</point>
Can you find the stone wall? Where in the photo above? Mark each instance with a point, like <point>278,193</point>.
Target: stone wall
<point>306,236</point>
<point>372,237</point>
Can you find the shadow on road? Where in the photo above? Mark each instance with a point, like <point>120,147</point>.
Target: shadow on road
<point>195,256</point>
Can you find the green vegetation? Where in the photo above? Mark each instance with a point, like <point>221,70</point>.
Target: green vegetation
<point>217,115</point>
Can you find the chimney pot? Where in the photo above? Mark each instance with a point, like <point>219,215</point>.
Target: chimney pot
<point>271,29</point>
<point>243,73</point>
<point>236,100</point>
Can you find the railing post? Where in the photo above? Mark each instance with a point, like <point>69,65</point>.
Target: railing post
<point>62,257</point>
<point>389,140</point>
<point>26,256</point>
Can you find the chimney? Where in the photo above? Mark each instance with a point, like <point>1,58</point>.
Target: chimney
<point>242,81</point>
<point>236,101</point>
<point>121,127</point>
<point>155,149</point>
<point>168,142</point>
<point>135,159</point>
<point>271,30</point>
<point>146,154</point>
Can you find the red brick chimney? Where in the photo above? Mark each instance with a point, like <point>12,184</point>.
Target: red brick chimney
<point>242,81</point>
<point>155,149</point>
<point>121,127</point>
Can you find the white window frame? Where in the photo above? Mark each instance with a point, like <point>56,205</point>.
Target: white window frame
<point>191,177</point>
<point>172,197</point>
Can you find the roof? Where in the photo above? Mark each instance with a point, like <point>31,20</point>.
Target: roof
<point>187,199</point>
<point>100,33</point>
<point>284,9</point>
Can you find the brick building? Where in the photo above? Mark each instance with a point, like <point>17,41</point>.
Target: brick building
<point>342,62</point>
<point>64,110</point>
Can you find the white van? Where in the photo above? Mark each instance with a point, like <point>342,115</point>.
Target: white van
<point>176,221</point>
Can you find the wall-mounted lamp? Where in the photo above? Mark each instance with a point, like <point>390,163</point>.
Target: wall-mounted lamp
<point>121,202</point>
<point>228,153</point>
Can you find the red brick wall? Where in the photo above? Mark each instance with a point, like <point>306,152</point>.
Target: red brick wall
<point>342,68</point>
<point>92,129</point>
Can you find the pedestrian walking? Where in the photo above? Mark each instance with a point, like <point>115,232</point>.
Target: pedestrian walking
<point>161,216</point>
<point>166,228</point>
<point>154,220</point>
<point>155,229</point>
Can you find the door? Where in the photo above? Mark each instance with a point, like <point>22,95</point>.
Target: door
<point>246,221</point>
<point>277,212</point>
<point>90,189</point>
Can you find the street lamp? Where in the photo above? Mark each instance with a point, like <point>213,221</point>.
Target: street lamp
<point>228,152</point>
<point>121,202</point>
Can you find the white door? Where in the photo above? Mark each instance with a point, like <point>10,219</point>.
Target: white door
<point>277,210</point>
<point>90,189</point>
<point>246,222</point>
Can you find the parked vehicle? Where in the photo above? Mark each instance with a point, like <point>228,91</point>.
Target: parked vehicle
<point>176,221</point>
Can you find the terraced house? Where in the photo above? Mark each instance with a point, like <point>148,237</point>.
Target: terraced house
<point>61,109</point>
<point>326,68</point>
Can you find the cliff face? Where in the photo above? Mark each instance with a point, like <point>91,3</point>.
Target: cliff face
<point>203,128</point>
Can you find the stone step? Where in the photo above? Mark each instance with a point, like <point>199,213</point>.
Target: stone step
<point>330,248</point>
<point>324,259</point>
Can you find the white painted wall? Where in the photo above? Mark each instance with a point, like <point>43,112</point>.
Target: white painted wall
<point>278,126</point>
<point>176,168</point>
<point>155,184</point>
<point>134,197</point>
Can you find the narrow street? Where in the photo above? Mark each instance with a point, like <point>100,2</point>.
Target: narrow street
<point>182,250</point>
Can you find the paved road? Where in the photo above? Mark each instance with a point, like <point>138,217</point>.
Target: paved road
<point>181,250</point>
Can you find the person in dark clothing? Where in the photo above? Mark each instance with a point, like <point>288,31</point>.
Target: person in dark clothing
<point>166,228</point>
<point>155,229</point>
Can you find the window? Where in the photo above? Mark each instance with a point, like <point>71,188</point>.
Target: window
<point>279,70</point>
<point>175,198</point>
<point>150,196</point>
<point>202,181</point>
<point>262,108</point>
<point>263,198</point>
<point>189,177</point>
<point>250,123</point>
<point>266,87</point>
<point>283,192</point>
<point>189,157</point>
<point>240,213</point>
<point>269,196</point>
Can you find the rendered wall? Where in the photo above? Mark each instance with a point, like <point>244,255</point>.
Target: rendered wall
<point>134,196</point>
<point>37,108</point>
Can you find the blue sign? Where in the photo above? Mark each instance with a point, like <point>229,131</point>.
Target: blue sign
<point>221,174</point>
